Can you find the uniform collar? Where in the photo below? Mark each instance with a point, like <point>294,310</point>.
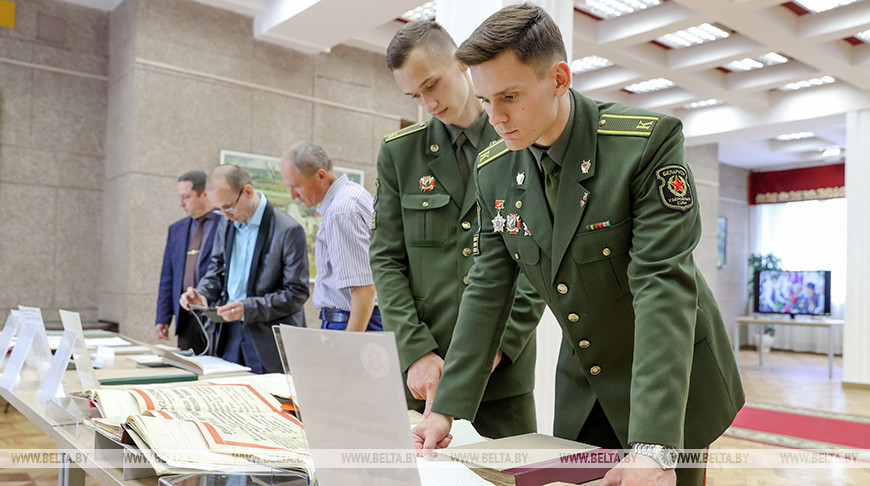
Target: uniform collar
<point>474,132</point>
<point>560,146</point>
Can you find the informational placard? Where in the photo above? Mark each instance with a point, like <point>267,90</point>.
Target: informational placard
<point>10,329</point>
<point>72,322</point>
<point>356,402</point>
<point>53,385</point>
<point>39,356</point>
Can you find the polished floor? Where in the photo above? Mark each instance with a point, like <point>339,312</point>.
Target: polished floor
<point>794,379</point>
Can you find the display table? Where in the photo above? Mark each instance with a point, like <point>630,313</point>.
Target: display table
<point>761,321</point>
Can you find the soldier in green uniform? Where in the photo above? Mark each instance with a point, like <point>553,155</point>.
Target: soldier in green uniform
<point>595,204</point>
<point>422,230</point>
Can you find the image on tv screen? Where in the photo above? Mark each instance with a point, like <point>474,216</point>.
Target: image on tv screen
<point>789,292</point>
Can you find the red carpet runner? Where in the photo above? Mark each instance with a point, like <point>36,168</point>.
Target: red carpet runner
<point>832,431</point>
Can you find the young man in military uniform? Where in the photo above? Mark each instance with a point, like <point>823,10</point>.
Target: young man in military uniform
<point>422,234</point>
<point>595,204</point>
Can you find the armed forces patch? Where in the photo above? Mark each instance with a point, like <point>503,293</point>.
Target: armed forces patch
<point>674,189</point>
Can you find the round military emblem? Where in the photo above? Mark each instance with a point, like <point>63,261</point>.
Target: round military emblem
<point>498,223</point>
<point>427,183</point>
<point>674,189</point>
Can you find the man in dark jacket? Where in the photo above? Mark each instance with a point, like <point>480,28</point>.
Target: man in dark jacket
<point>258,274</point>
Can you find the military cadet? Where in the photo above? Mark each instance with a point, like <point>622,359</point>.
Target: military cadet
<point>595,204</point>
<point>422,235</point>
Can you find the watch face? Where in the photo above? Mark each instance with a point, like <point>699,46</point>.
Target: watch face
<point>670,457</point>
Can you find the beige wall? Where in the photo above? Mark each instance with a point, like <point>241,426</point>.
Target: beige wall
<point>733,276</point>
<point>52,132</point>
<point>188,80</point>
<point>703,160</point>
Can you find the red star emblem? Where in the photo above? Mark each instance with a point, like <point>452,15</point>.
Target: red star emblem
<point>677,185</point>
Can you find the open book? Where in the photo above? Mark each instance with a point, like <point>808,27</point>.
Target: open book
<point>202,365</point>
<point>204,427</point>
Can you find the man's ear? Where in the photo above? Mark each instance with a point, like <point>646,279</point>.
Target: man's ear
<point>563,77</point>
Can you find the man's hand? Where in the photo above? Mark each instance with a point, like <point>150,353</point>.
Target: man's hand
<point>638,470</point>
<point>432,433</point>
<point>233,311</point>
<point>497,360</point>
<point>423,378</point>
<point>162,331</point>
<point>191,296</point>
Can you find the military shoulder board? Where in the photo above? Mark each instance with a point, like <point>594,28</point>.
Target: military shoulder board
<point>405,131</point>
<point>492,152</point>
<point>635,125</point>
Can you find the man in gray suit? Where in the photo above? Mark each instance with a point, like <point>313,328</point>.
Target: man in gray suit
<point>258,273</point>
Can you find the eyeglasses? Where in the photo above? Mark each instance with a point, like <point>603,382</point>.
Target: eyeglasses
<point>232,209</point>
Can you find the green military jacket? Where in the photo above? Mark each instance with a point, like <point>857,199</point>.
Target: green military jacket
<point>422,232</point>
<point>642,332</point>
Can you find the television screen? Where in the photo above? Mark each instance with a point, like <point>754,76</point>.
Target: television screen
<point>791,292</point>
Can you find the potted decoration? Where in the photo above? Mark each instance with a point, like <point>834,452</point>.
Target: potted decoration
<point>762,262</point>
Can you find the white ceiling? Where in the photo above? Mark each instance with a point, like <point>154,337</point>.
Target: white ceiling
<point>745,126</point>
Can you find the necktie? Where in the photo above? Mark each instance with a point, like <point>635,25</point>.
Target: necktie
<point>189,279</point>
<point>551,181</point>
<point>462,159</point>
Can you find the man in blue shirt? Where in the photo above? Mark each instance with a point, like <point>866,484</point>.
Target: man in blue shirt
<point>258,274</point>
<point>344,289</point>
<point>185,260</point>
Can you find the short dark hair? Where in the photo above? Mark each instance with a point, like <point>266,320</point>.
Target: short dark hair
<point>235,176</point>
<point>526,29</point>
<point>419,33</point>
<point>196,178</point>
<point>308,158</point>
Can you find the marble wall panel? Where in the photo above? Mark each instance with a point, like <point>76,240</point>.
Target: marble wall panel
<point>79,237</point>
<point>283,69</point>
<point>138,320</point>
<point>347,64</point>
<point>87,29</point>
<point>387,97</point>
<point>85,62</point>
<point>348,93</point>
<point>15,48</point>
<point>55,169</point>
<point>122,30</point>
<point>183,123</point>
<point>279,122</point>
<point>27,223</point>
<point>16,98</point>
<point>69,113</point>
<point>116,234</point>
<point>120,123</point>
<point>344,134</point>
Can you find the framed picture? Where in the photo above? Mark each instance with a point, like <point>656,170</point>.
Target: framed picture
<point>265,172</point>
<point>721,240</point>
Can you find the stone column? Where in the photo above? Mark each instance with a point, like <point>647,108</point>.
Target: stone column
<point>856,333</point>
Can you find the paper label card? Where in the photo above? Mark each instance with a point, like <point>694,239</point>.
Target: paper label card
<point>12,373</point>
<point>72,322</point>
<point>10,329</point>
<point>53,384</point>
<point>39,356</point>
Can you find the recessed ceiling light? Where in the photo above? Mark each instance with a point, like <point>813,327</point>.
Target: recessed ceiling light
<point>704,103</point>
<point>864,36</point>
<point>808,83</point>
<point>650,85</point>
<point>423,12</point>
<point>822,5</point>
<point>795,136</point>
<point>590,63</point>
<point>748,64</point>
<point>698,34</point>
<point>607,9</point>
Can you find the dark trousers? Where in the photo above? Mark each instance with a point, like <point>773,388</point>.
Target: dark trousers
<point>598,431</point>
<point>237,345</point>
<point>336,319</point>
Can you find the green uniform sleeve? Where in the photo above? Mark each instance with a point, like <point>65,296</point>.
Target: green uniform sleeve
<point>483,315</point>
<point>665,293</point>
<point>524,318</point>
<point>389,261</point>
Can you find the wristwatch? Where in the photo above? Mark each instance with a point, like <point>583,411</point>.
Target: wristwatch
<point>665,456</point>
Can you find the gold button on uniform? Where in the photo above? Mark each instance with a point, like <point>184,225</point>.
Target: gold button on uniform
<point>605,252</point>
<point>434,147</point>
<point>573,317</point>
<point>519,204</point>
<point>466,225</point>
<point>465,280</point>
<point>601,122</point>
<point>595,370</point>
<point>516,256</point>
<point>425,204</point>
<point>466,252</point>
<point>584,344</point>
<point>562,288</point>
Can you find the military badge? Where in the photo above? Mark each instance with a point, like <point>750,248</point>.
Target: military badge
<point>585,197</point>
<point>499,204</point>
<point>427,183</point>
<point>526,231</point>
<point>521,177</point>
<point>674,189</point>
<point>513,223</point>
<point>584,167</point>
<point>498,223</point>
